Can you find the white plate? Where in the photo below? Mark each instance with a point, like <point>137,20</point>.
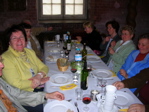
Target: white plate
<point>59,106</point>
<point>123,99</point>
<point>93,59</point>
<point>61,79</point>
<point>51,58</point>
<point>102,73</point>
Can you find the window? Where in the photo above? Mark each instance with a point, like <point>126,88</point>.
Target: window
<point>62,9</point>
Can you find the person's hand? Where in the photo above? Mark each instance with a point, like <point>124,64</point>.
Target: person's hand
<point>111,50</point>
<point>107,39</point>
<point>123,73</point>
<point>79,38</point>
<point>36,81</point>
<point>44,80</point>
<point>136,108</point>
<point>55,95</point>
<point>118,85</point>
<point>113,43</point>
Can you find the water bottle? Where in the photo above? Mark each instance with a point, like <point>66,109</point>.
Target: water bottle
<point>78,61</point>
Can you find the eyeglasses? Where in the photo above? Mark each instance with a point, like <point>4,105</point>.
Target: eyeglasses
<point>16,38</point>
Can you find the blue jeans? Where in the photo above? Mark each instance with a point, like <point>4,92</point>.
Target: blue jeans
<point>38,108</point>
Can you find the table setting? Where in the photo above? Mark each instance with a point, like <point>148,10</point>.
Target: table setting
<point>94,98</point>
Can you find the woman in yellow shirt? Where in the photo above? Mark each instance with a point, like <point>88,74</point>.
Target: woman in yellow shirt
<point>23,69</point>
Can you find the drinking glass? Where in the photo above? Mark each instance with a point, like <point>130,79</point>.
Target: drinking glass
<point>86,99</point>
<point>102,83</point>
<point>78,92</point>
<point>73,68</point>
<point>89,68</point>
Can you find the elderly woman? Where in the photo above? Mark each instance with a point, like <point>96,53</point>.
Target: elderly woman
<point>15,99</point>
<point>112,28</point>
<point>137,60</point>
<point>92,38</point>
<point>23,69</point>
<point>122,49</point>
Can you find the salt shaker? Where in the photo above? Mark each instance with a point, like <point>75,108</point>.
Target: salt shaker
<point>93,94</point>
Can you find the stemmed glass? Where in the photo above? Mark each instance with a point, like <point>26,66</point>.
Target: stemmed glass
<point>86,100</point>
<point>102,83</point>
<point>73,70</point>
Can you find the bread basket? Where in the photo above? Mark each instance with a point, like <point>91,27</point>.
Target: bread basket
<point>62,64</point>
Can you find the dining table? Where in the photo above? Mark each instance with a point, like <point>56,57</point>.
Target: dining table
<point>52,52</point>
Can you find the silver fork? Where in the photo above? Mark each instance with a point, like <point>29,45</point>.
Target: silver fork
<point>76,106</point>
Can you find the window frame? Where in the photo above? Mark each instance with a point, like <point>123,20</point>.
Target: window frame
<point>61,17</point>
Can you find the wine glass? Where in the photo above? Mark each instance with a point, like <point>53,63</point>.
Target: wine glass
<point>86,99</point>
<point>73,70</point>
<point>102,84</point>
<point>89,68</point>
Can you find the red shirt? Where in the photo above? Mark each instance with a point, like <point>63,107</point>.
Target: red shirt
<point>141,57</point>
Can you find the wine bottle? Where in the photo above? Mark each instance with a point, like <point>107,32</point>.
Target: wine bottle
<point>84,52</point>
<point>84,76</point>
<point>69,42</point>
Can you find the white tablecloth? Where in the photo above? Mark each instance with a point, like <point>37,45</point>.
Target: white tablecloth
<point>92,82</point>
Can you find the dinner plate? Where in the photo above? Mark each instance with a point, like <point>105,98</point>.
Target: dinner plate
<point>102,73</point>
<point>59,106</point>
<point>93,59</point>
<point>52,58</point>
<point>123,99</point>
<point>61,79</point>
<point>54,50</point>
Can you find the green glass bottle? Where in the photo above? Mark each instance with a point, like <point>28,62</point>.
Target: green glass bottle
<point>84,52</point>
<point>84,76</point>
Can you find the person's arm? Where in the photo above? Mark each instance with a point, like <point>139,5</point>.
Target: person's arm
<point>137,80</point>
<point>121,55</point>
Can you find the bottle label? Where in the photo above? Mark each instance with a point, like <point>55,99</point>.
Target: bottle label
<point>66,38</point>
<point>78,57</point>
<point>68,46</point>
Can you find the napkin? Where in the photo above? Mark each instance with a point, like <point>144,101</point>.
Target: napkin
<point>123,110</point>
<point>113,74</point>
<point>68,87</point>
<point>101,56</point>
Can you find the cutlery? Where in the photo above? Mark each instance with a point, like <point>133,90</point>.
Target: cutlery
<point>76,106</point>
<point>69,100</point>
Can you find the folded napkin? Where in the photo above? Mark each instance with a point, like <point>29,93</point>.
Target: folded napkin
<point>101,56</point>
<point>113,74</point>
<point>123,110</point>
<point>68,87</point>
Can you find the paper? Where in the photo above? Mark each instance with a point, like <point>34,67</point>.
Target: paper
<point>123,110</point>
